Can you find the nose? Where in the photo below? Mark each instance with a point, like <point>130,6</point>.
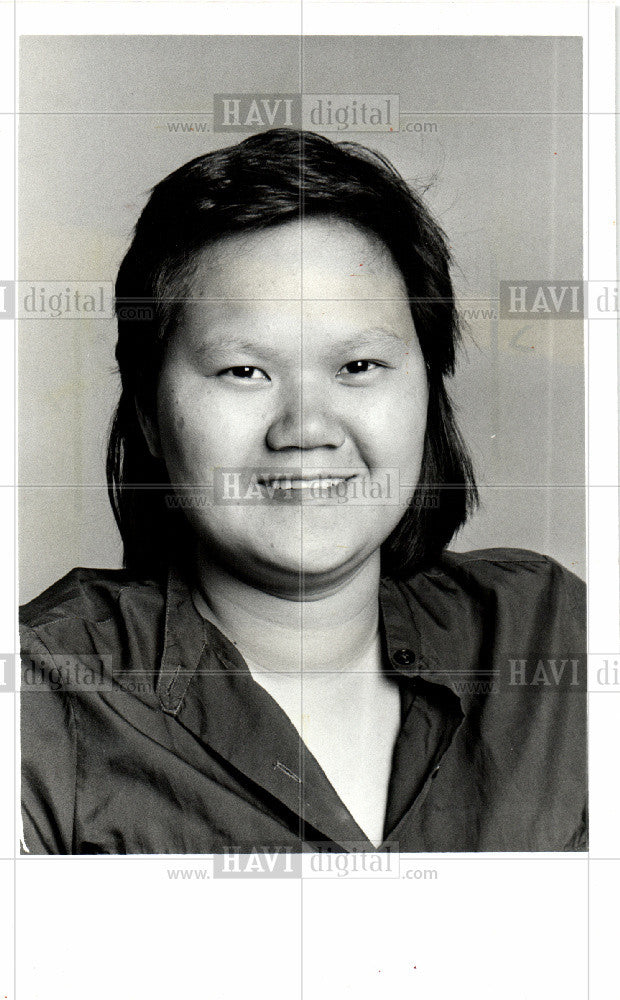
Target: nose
<point>305,419</point>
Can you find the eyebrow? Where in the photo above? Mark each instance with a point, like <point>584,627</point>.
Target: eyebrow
<point>365,338</point>
<point>226,344</point>
<point>371,336</point>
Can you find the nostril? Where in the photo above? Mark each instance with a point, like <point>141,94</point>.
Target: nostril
<point>305,431</point>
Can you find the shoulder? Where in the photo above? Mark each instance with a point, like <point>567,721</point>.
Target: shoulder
<point>511,569</point>
<point>500,583</point>
<point>76,638</point>
<point>92,601</point>
<point>530,577</point>
<point>491,609</point>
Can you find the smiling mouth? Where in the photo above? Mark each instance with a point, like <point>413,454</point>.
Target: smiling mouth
<point>317,482</point>
<point>319,487</point>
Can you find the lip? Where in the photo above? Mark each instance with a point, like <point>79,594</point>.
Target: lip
<point>303,482</point>
<point>323,486</point>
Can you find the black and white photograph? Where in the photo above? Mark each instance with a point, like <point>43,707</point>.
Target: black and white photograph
<point>307,327</point>
<point>294,654</point>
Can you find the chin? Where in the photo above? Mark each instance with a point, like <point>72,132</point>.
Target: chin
<point>316,567</point>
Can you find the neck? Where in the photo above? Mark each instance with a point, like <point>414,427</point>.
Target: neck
<point>330,631</point>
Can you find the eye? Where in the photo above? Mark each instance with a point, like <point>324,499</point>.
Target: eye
<point>246,372</point>
<point>360,367</point>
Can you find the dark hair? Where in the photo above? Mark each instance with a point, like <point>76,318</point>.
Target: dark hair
<point>267,179</point>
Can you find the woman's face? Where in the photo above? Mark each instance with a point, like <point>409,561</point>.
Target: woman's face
<point>291,406</point>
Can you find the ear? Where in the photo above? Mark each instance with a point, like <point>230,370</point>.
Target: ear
<point>150,430</point>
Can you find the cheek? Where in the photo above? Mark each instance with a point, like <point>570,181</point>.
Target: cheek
<point>396,426</point>
<point>198,433</point>
<point>183,429</point>
<point>413,402</point>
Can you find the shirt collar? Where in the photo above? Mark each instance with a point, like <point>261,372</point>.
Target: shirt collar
<point>432,622</point>
<point>205,684</point>
<point>419,645</point>
<point>186,634</point>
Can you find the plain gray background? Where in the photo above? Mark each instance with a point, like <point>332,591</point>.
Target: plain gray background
<point>506,185</point>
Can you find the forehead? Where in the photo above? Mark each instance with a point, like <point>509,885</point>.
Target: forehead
<point>317,259</point>
<point>323,279</point>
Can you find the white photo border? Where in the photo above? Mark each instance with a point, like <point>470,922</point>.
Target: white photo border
<point>445,933</point>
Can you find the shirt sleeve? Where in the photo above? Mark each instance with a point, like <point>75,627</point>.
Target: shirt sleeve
<point>579,840</point>
<point>574,625</point>
<point>49,753</point>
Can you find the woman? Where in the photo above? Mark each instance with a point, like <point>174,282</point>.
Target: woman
<point>290,657</point>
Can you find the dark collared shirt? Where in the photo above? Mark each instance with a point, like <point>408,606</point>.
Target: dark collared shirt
<point>143,731</point>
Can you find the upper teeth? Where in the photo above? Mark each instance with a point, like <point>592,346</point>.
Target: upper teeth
<point>301,484</point>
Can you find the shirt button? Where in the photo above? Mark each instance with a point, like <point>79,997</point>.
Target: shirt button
<point>404,657</point>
